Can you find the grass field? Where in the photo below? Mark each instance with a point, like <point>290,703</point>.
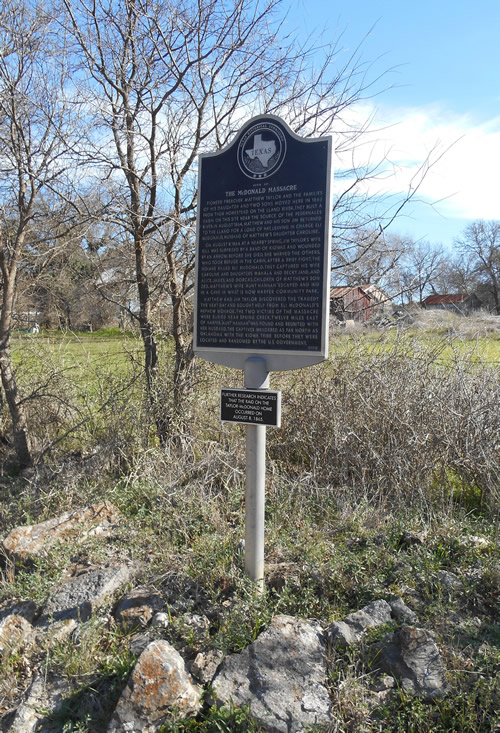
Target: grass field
<point>79,350</point>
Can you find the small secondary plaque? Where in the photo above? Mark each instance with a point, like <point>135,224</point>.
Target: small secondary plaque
<point>252,407</point>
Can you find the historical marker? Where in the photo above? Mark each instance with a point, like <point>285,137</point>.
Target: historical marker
<point>263,251</point>
<point>262,281</point>
<point>252,407</point>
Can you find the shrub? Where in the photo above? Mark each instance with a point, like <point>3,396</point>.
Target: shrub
<point>404,420</point>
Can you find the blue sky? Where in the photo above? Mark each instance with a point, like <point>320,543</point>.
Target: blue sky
<point>443,62</point>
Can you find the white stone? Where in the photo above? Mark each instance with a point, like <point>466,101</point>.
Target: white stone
<point>281,677</point>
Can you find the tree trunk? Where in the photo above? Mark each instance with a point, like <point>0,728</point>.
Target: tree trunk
<point>149,341</point>
<point>21,439</point>
<point>183,355</point>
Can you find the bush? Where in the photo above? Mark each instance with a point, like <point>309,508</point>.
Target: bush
<point>406,420</point>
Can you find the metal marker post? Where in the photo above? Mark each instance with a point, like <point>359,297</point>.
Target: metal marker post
<point>256,377</point>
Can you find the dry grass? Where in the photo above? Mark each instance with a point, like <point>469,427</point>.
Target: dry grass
<point>478,324</point>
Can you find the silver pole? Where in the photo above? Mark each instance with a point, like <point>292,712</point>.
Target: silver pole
<point>256,377</point>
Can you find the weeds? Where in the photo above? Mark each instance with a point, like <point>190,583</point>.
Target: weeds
<point>97,651</point>
<point>216,720</point>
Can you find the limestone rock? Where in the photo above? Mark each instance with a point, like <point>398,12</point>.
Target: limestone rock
<point>448,581</point>
<point>199,626</point>
<point>206,664</point>
<point>140,642</point>
<point>402,612</point>
<point>26,609</point>
<point>374,614</point>
<point>160,620</point>
<point>412,657</point>
<point>342,635</point>
<point>475,541</point>
<point>35,540</point>
<point>349,631</point>
<point>59,631</point>
<point>158,688</point>
<point>136,608</point>
<point>280,676</point>
<point>383,683</point>
<point>78,597</point>
<point>15,631</point>
<point>45,697</point>
<point>409,538</point>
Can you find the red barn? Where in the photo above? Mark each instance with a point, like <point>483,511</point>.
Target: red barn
<point>460,302</point>
<point>350,302</point>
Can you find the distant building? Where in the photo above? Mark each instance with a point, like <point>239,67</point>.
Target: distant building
<point>458,302</point>
<point>358,302</point>
<point>380,300</point>
<point>350,302</point>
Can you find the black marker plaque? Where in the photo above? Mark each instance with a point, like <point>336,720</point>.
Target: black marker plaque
<point>251,406</point>
<point>263,245</point>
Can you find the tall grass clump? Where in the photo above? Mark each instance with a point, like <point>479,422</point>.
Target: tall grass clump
<point>405,420</point>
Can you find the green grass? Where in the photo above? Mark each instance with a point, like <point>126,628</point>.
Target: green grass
<point>441,348</point>
<point>216,720</point>
<point>442,344</point>
<point>81,351</point>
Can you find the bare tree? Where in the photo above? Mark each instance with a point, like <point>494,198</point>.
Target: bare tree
<point>33,159</point>
<point>480,245</point>
<point>372,257</point>
<point>420,269</point>
<point>455,275</point>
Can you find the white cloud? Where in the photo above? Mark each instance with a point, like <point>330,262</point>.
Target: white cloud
<point>463,181</point>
